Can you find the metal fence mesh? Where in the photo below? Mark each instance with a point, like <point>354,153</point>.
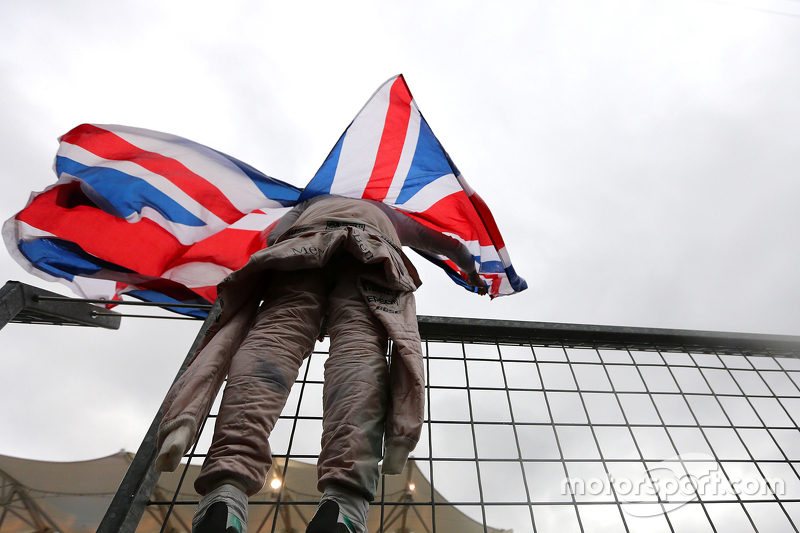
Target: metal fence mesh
<point>557,435</point>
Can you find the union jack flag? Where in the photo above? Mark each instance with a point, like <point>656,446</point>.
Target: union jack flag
<point>389,154</point>
<point>165,219</point>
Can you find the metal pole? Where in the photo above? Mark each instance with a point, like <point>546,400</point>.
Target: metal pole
<point>31,305</point>
<point>127,507</point>
<point>480,330</point>
<point>12,301</point>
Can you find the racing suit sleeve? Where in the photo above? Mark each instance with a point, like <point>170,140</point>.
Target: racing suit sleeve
<point>420,237</point>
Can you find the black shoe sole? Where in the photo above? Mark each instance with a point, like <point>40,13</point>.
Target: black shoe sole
<point>215,520</point>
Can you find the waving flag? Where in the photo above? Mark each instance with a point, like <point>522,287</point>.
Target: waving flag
<point>389,154</point>
<point>165,219</point>
<point>145,213</point>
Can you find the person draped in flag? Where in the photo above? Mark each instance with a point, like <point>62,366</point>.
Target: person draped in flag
<point>164,219</point>
<point>329,256</point>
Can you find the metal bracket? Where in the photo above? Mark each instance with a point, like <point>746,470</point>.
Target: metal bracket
<point>25,304</point>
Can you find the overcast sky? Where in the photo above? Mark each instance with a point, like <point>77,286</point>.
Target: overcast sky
<point>640,158</point>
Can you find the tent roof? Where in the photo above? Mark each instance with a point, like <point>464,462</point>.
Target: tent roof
<point>73,497</point>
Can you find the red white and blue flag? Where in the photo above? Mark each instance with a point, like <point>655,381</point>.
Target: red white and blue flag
<point>153,215</point>
<point>389,154</point>
<point>165,219</point>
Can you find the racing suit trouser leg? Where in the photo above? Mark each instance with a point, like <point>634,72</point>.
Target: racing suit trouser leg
<point>356,389</point>
<point>261,374</point>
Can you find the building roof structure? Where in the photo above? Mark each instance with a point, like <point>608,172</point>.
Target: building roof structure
<point>72,497</point>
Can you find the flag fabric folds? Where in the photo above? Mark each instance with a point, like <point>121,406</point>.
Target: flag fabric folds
<point>140,212</point>
<point>389,154</point>
<point>165,219</point>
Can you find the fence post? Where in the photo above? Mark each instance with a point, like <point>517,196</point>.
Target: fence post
<point>127,506</point>
<point>12,301</point>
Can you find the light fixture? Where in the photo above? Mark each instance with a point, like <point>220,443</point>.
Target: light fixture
<point>275,484</point>
<point>411,486</point>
